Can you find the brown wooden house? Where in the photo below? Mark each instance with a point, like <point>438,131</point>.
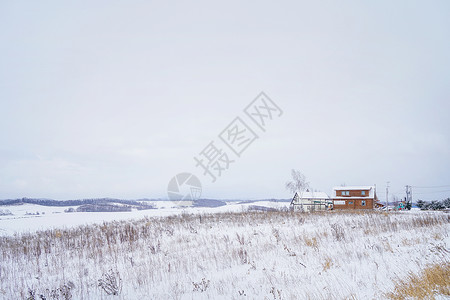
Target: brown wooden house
<point>354,197</point>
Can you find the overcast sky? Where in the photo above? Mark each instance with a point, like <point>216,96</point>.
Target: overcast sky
<point>114,98</point>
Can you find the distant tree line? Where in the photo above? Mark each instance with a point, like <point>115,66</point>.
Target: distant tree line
<point>5,212</point>
<point>434,205</point>
<point>208,203</point>
<point>99,201</point>
<point>103,208</point>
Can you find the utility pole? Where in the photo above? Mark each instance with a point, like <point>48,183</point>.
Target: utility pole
<point>409,194</point>
<point>387,195</point>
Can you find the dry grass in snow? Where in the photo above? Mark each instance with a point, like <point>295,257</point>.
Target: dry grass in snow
<point>248,255</point>
<point>432,280</point>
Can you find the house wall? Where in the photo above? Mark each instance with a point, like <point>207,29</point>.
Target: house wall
<point>353,203</point>
<point>309,205</point>
<point>310,208</point>
<point>353,193</point>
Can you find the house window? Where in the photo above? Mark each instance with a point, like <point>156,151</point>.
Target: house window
<point>363,193</point>
<point>345,193</point>
<point>350,202</point>
<point>363,203</point>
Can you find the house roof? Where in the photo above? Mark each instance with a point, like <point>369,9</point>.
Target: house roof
<point>353,187</point>
<point>314,195</point>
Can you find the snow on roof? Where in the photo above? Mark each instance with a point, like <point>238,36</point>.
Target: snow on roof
<point>353,187</point>
<point>313,195</point>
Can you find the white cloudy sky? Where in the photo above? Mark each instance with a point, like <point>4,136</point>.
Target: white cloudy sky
<point>113,98</point>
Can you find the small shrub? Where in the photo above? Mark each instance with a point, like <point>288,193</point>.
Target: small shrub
<point>311,242</point>
<point>338,232</point>
<point>201,286</point>
<point>276,293</point>
<point>276,234</point>
<point>155,248</point>
<point>63,292</point>
<point>240,239</point>
<point>243,256</point>
<point>327,264</point>
<point>289,251</point>
<point>111,282</point>
<point>31,294</point>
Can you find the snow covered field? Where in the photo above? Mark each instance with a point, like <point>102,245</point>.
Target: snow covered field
<point>24,217</point>
<point>222,255</point>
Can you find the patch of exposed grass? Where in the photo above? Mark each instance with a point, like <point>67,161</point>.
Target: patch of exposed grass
<point>433,280</point>
<point>311,242</point>
<point>327,264</point>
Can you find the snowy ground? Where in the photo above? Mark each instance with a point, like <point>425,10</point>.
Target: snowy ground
<point>49,217</point>
<point>240,255</point>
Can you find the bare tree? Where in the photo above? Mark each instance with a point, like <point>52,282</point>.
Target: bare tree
<point>297,184</point>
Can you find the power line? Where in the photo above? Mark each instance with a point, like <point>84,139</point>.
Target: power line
<point>434,192</point>
<point>431,187</point>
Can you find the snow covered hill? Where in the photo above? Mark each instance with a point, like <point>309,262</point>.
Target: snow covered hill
<point>31,217</point>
